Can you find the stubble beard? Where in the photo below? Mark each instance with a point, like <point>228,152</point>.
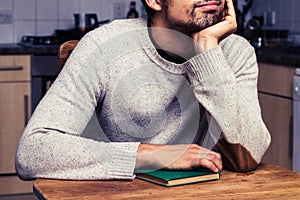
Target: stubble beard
<point>195,24</point>
<point>208,19</point>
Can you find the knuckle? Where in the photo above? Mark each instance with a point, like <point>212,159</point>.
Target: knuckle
<point>214,157</point>
<point>194,146</point>
<point>209,165</point>
<point>218,155</point>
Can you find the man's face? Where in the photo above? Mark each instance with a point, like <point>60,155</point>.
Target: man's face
<point>192,15</point>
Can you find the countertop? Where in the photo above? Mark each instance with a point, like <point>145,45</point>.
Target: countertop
<point>266,182</point>
<point>15,49</point>
<point>281,55</point>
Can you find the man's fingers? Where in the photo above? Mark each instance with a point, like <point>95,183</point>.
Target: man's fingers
<point>207,164</point>
<point>215,158</point>
<point>230,7</point>
<point>208,159</point>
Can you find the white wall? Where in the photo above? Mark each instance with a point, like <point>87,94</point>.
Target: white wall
<point>42,17</point>
<point>287,13</point>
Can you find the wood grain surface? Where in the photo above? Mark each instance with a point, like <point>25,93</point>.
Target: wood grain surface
<point>267,182</point>
<point>64,52</point>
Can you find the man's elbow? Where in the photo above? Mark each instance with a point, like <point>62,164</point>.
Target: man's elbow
<point>235,157</point>
<point>24,166</point>
<point>240,165</point>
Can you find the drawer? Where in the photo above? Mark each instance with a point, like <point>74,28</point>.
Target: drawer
<point>14,68</point>
<point>13,185</point>
<point>276,79</point>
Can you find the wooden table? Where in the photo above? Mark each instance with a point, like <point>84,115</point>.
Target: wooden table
<point>267,182</point>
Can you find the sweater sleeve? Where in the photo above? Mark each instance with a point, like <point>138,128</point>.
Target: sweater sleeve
<point>52,145</point>
<point>225,83</point>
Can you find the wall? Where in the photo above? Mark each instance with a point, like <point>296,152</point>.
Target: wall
<point>42,17</point>
<point>287,14</point>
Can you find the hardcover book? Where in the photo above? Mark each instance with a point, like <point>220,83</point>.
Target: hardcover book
<point>177,177</point>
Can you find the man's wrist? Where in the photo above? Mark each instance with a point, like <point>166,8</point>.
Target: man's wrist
<point>145,158</point>
<point>204,44</point>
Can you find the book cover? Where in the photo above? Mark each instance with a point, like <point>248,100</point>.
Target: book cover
<point>177,177</point>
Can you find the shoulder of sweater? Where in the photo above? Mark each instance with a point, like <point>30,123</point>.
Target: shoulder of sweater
<point>108,36</point>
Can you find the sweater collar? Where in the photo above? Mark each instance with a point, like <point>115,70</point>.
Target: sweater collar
<point>153,54</point>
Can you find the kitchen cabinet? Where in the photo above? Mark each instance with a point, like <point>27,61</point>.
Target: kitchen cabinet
<point>15,112</point>
<point>276,100</point>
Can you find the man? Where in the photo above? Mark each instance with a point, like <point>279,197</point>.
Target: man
<point>179,94</point>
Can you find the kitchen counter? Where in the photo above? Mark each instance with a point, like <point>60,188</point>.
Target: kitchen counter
<point>266,182</point>
<point>15,49</point>
<point>281,55</point>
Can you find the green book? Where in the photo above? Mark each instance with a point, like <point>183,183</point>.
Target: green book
<point>177,177</point>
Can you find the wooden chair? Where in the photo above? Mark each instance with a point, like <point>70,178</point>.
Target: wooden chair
<point>65,50</point>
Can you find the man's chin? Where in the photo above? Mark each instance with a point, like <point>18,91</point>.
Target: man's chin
<point>199,27</point>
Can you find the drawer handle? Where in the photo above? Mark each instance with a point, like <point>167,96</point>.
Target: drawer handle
<point>26,109</point>
<point>12,68</point>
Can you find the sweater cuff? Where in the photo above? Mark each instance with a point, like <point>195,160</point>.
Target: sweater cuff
<point>121,160</point>
<point>207,64</point>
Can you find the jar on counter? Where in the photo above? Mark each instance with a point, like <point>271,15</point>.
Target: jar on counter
<point>132,13</point>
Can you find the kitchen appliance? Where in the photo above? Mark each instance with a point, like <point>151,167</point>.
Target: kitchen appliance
<point>44,70</point>
<point>35,41</point>
<point>89,23</point>
<point>252,32</point>
<point>296,122</point>
<point>54,40</point>
<point>241,12</point>
<point>62,35</point>
<point>44,65</point>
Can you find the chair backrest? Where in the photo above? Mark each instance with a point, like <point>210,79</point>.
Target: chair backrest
<point>65,50</point>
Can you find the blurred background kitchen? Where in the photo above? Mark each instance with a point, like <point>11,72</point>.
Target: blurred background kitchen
<point>42,17</point>
<point>32,30</point>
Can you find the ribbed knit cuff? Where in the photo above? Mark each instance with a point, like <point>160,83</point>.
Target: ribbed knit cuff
<point>121,159</point>
<point>207,64</point>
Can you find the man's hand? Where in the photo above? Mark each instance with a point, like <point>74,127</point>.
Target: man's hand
<point>183,157</point>
<point>210,37</point>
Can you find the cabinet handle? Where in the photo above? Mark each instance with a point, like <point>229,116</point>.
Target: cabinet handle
<point>11,68</point>
<point>291,136</point>
<point>26,109</point>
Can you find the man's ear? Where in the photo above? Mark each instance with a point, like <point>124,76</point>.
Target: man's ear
<point>154,4</point>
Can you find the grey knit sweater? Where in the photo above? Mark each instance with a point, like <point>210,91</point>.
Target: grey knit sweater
<point>116,92</point>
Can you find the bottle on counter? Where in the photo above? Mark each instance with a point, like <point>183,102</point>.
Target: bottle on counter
<point>132,13</point>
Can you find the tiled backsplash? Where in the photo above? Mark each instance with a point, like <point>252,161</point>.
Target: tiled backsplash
<point>42,17</point>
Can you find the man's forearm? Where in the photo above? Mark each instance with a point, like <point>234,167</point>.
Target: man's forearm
<point>225,82</point>
<point>180,157</point>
